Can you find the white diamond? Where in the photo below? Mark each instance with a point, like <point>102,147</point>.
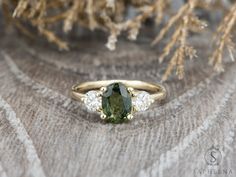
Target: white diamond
<point>142,101</point>
<point>92,100</point>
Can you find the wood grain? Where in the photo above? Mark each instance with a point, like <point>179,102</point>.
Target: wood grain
<point>46,133</point>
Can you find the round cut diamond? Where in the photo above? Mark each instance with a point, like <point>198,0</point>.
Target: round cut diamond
<point>142,101</point>
<point>92,100</point>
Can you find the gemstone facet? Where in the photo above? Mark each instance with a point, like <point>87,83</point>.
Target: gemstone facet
<point>116,103</point>
<point>142,101</point>
<point>92,100</point>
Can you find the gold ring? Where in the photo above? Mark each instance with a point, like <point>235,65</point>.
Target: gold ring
<point>118,100</point>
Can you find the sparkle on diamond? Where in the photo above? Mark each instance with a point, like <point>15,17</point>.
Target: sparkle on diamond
<point>92,101</point>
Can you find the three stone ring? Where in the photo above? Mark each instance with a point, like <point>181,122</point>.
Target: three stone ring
<point>118,100</point>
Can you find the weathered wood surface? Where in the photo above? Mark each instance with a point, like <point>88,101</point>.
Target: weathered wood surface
<point>46,134</point>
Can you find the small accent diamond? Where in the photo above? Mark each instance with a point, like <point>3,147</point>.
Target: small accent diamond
<point>92,100</point>
<point>142,101</point>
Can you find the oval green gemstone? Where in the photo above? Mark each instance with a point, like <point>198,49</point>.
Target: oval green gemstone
<point>116,103</point>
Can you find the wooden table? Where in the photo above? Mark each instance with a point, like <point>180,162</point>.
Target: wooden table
<point>44,133</point>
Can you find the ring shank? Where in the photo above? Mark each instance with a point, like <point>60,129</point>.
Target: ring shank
<point>157,91</point>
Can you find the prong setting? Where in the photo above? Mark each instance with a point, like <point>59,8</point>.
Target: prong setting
<point>131,91</point>
<point>99,110</point>
<point>140,101</point>
<point>102,116</point>
<point>130,116</point>
<point>82,99</point>
<point>103,89</point>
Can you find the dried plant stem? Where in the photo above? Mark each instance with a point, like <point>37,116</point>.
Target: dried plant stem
<point>111,16</point>
<point>170,66</point>
<point>50,19</point>
<point>160,6</point>
<point>89,10</point>
<point>224,40</point>
<point>170,23</point>
<point>21,7</point>
<point>181,49</point>
<point>186,21</point>
<point>71,17</point>
<point>132,26</point>
<point>178,57</point>
<point>54,39</point>
<point>17,24</point>
<point>171,44</point>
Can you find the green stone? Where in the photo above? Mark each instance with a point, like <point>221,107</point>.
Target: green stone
<point>116,103</point>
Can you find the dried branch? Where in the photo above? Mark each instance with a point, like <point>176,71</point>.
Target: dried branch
<point>187,21</point>
<point>224,40</point>
<point>111,16</point>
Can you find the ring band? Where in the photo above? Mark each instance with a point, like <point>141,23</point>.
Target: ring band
<point>118,100</point>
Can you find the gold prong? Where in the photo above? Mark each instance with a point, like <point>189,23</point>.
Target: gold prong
<point>134,109</point>
<point>99,110</point>
<point>82,99</point>
<point>130,116</point>
<point>131,91</point>
<point>103,116</point>
<point>103,89</point>
<point>99,93</point>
